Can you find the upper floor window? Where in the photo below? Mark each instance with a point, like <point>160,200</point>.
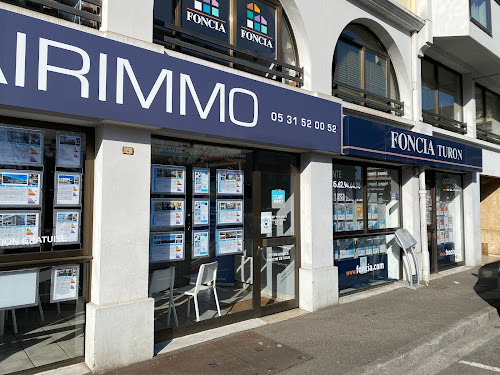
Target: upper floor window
<point>442,96</point>
<point>87,13</point>
<point>480,14</point>
<point>252,36</point>
<point>487,114</point>
<point>363,72</point>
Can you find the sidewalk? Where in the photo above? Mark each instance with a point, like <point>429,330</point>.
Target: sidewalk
<point>386,333</point>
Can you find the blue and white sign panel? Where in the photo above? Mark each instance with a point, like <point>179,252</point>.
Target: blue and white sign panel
<point>371,139</point>
<point>52,68</point>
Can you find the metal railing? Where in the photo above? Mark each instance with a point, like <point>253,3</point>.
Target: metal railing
<point>87,12</point>
<point>488,136</point>
<point>444,122</point>
<point>367,99</point>
<point>186,41</point>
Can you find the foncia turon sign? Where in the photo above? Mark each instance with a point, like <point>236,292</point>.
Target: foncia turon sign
<point>49,67</point>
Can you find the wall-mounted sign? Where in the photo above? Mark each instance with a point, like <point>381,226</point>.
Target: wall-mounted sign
<point>68,189</point>
<point>20,146</point>
<point>19,228</point>
<point>20,188</point>
<point>64,283</point>
<point>230,182</point>
<point>371,139</point>
<point>229,211</point>
<point>201,212</point>
<point>69,151</point>
<point>67,226</point>
<point>167,246</point>
<point>207,17</point>
<point>229,241</point>
<point>201,244</point>
<point>168,179</point>
<point>168,212</point>
<point>278,198</point>
<point>79,74</point>
<point>257,27</point>
<point>201,181</point>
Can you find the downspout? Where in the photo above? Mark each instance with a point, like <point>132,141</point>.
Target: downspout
<point>423,227</point>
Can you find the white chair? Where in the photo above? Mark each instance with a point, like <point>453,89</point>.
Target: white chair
<point>162,280</point>
<point>205,281</point>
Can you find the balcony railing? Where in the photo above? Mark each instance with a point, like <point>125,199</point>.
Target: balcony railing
<point>186,41</point>
<point>486,135</point>
<point>444,122</point>
<point>367,99</point>
<point>86,12</point>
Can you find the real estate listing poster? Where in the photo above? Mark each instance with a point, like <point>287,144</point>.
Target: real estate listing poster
<point>229,211</point>
<point>201,212</point>
<point>201,181</point>
<point>201,244</point>
<point>21,146</point>
<point>229,241</point>
<point>168,179</point>
<point>167,212</point>
<point>19,228</point>
<point>166,246</point>
<point>67,226</point>
<point>229,182</point>
<point>68,189</point>
<point>64,283</point>
<point>69,150</point>
<point>20,188</point>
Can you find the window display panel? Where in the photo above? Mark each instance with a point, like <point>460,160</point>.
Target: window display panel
<point>214,230</point>
<point>41,171</point>
<point>449,218</point>
<point>347,198</point>
<point>383,198</point>
<point>48,324</point>
<point>366,261</point>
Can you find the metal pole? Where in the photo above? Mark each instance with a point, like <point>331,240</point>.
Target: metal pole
<point>423,227</point>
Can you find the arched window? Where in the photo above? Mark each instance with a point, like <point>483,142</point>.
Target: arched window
<point>251,35</point>
<point>363,72</point>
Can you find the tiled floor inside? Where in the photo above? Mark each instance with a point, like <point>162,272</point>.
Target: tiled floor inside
<point>37,343</point>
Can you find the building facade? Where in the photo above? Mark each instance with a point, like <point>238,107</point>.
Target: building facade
<point>172,166</point>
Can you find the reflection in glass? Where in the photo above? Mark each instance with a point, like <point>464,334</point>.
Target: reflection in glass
<point>277,274</point>
<point>383,198</point>
<point>480,11</point>
<point>347,198</point>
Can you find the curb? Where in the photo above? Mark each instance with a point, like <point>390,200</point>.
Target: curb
<point>407,356</point>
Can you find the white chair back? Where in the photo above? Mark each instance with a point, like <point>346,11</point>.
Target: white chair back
<point>162,280</point>
<point>207,274</point>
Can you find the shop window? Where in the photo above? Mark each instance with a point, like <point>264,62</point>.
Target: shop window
<point>363,73</point>
<point>263,42</point>
<point>480,14</point>
<point>366,212</point>
<point>43,254</point>
<point>487,114</point>
<point>442,96</point>
<point>201,213</point>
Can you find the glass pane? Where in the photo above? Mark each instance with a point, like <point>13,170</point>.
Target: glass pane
<point>287,51</point>
<point>450,94</point>
<point>52,330</point>
<point>366,261</point>
<point>479,107</point>
<point>201,213</point>
<point>383,198</point>
<point>364,36</point>
<point>449,218</point>
<point>375,74</point>
<point>429,86</point>
<point>277,205</point>
<point>480,11</point>
<point>348,69</point>
<point>277,274</point>
<point>492,112</point>
<point>347,198</point>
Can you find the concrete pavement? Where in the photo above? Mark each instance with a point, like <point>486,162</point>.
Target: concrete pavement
<point>386,333</point>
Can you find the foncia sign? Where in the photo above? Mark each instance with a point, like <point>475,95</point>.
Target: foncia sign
<point>52,68</point>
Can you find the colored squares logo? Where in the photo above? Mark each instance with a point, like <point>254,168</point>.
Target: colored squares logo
<point>254,20</point>
<point>207,6</point>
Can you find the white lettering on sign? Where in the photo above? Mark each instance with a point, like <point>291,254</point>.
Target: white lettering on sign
<point>208,22</point>
<point>420,145</point>
<point>263,41</point>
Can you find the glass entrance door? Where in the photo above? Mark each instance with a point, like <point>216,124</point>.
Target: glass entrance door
<point>276,246</point>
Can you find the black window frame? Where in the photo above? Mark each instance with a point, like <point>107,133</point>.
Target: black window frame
<point>487,30</point>
<point>435,118</point>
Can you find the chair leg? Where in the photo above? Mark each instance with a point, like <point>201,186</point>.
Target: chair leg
<point>14,321</point>
<point>189,306</point>
<point>172,305</point>
<point>217,300</point>
<point>42,318</point>
<point>196,307</point>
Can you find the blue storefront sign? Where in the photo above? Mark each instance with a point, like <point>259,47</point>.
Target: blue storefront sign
<point>58,70</point>
<point>359,272</point>
<point>371,139</point>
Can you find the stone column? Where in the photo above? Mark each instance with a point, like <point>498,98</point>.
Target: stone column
<point>472,219</point>
<point>130,18</point>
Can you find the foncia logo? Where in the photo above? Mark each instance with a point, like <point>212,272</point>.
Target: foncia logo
<point>256,28</point>
<point>206,13</point>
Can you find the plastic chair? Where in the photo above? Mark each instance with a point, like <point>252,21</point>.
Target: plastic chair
<point>205,281</point>
<point>162,280</point>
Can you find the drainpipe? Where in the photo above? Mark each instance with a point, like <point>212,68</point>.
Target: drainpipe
<point>423,227</point>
